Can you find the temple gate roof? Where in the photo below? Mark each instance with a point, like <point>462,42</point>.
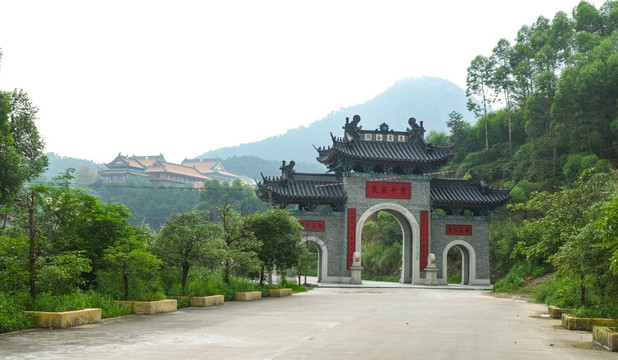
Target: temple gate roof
<point>383,150</point>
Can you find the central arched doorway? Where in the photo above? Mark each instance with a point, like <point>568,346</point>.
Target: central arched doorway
<point>410,230</point>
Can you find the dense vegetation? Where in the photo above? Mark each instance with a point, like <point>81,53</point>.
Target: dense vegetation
<point>554,137</point>
<point>62,248</point>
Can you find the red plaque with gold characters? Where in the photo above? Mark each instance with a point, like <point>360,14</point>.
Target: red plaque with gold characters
<point>312,225</point>
<point>424,251</point>
<point>388,190</point>
<point>465,230</point>
<point>351,235</point>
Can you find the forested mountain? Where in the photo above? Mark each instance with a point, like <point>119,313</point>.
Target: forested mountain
<point>85,170</point>
<point>556,140</point>
<point>427,99</point>
<point>558,84</point>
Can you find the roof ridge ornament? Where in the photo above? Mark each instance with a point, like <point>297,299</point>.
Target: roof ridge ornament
<point>351,129</point>
<point>416,132</point>
<point>475,179</point>
<point>287,171</point>
<point>384,128</point>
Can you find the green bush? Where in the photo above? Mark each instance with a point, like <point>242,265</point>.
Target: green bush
<point>12,315</point>
<point>296,288</point>
<point>512,281</point>
<point>454,279</point>
<point>141,288</point>
<point>241,285</point>
<point>515,277</point>
<point>170,280</point>
<point>109,307</point>
<point>57,303</point>
<point>561,292</point>
<point>204,282</point>
<point>182,303</point>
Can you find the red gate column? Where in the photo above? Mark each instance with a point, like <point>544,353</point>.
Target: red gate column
<point>351,235</point>
<point>424,250</point>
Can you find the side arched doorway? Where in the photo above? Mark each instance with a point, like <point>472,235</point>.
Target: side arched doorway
<point>322,254</point>
<point>410,230</point>
<point>468,262</point>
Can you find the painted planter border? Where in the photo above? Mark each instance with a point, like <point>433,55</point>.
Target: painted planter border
<point>570,322</point>
<point>556,312</point>
<point>248,295</point>
<point>603,336</point>
<point>204,301</point>
<point>67,319</point>
<point>280,292</point>
<point>151,307</point>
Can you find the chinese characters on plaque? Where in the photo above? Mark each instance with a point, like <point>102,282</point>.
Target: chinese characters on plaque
<point>351,235</point>
<point>387,190</point>
<point>424,251</point>
<point>312,225</point>
<point>465,230</point>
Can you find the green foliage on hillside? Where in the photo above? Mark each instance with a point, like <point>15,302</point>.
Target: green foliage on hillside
<point>555,140</point>
<point>556,87</point>
<point>85,170</point>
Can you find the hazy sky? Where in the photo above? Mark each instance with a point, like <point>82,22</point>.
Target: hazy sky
<point>184,77</point>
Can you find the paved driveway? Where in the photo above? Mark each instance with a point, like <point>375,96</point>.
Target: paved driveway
<point>324,323</point>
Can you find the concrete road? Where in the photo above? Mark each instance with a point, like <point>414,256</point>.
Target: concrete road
<point>324,323</point>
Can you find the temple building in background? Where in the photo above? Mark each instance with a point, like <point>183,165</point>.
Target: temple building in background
<point>162,173</point>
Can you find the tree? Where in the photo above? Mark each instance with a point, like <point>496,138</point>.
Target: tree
<point>607,226</point>
<point>184,241</point>
<point>560,231</point>
<point>438,138</point>
<point>21,148</point>
<point>61,219</point>
<point>240,242</point>
<point>502,78</point>
<point>241,196</point>
<point>27,141</point>
<point>130,260</point>
<point>12,175</point>
<point>280,235</point>
<point>478,80</point>
<point>148,204</point>
<point>587,18</point>
<point>85,175</point>
<point>459,134</point>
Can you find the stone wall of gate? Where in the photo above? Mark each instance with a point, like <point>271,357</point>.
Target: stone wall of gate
<point>465,231</point>
<point>333,229</point>
<point>377,192</point>
<point>333,235</point>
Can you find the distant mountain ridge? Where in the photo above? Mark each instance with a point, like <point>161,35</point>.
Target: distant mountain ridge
<point>427,99</point>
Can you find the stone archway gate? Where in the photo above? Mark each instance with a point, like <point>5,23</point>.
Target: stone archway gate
<point>397,172</point>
